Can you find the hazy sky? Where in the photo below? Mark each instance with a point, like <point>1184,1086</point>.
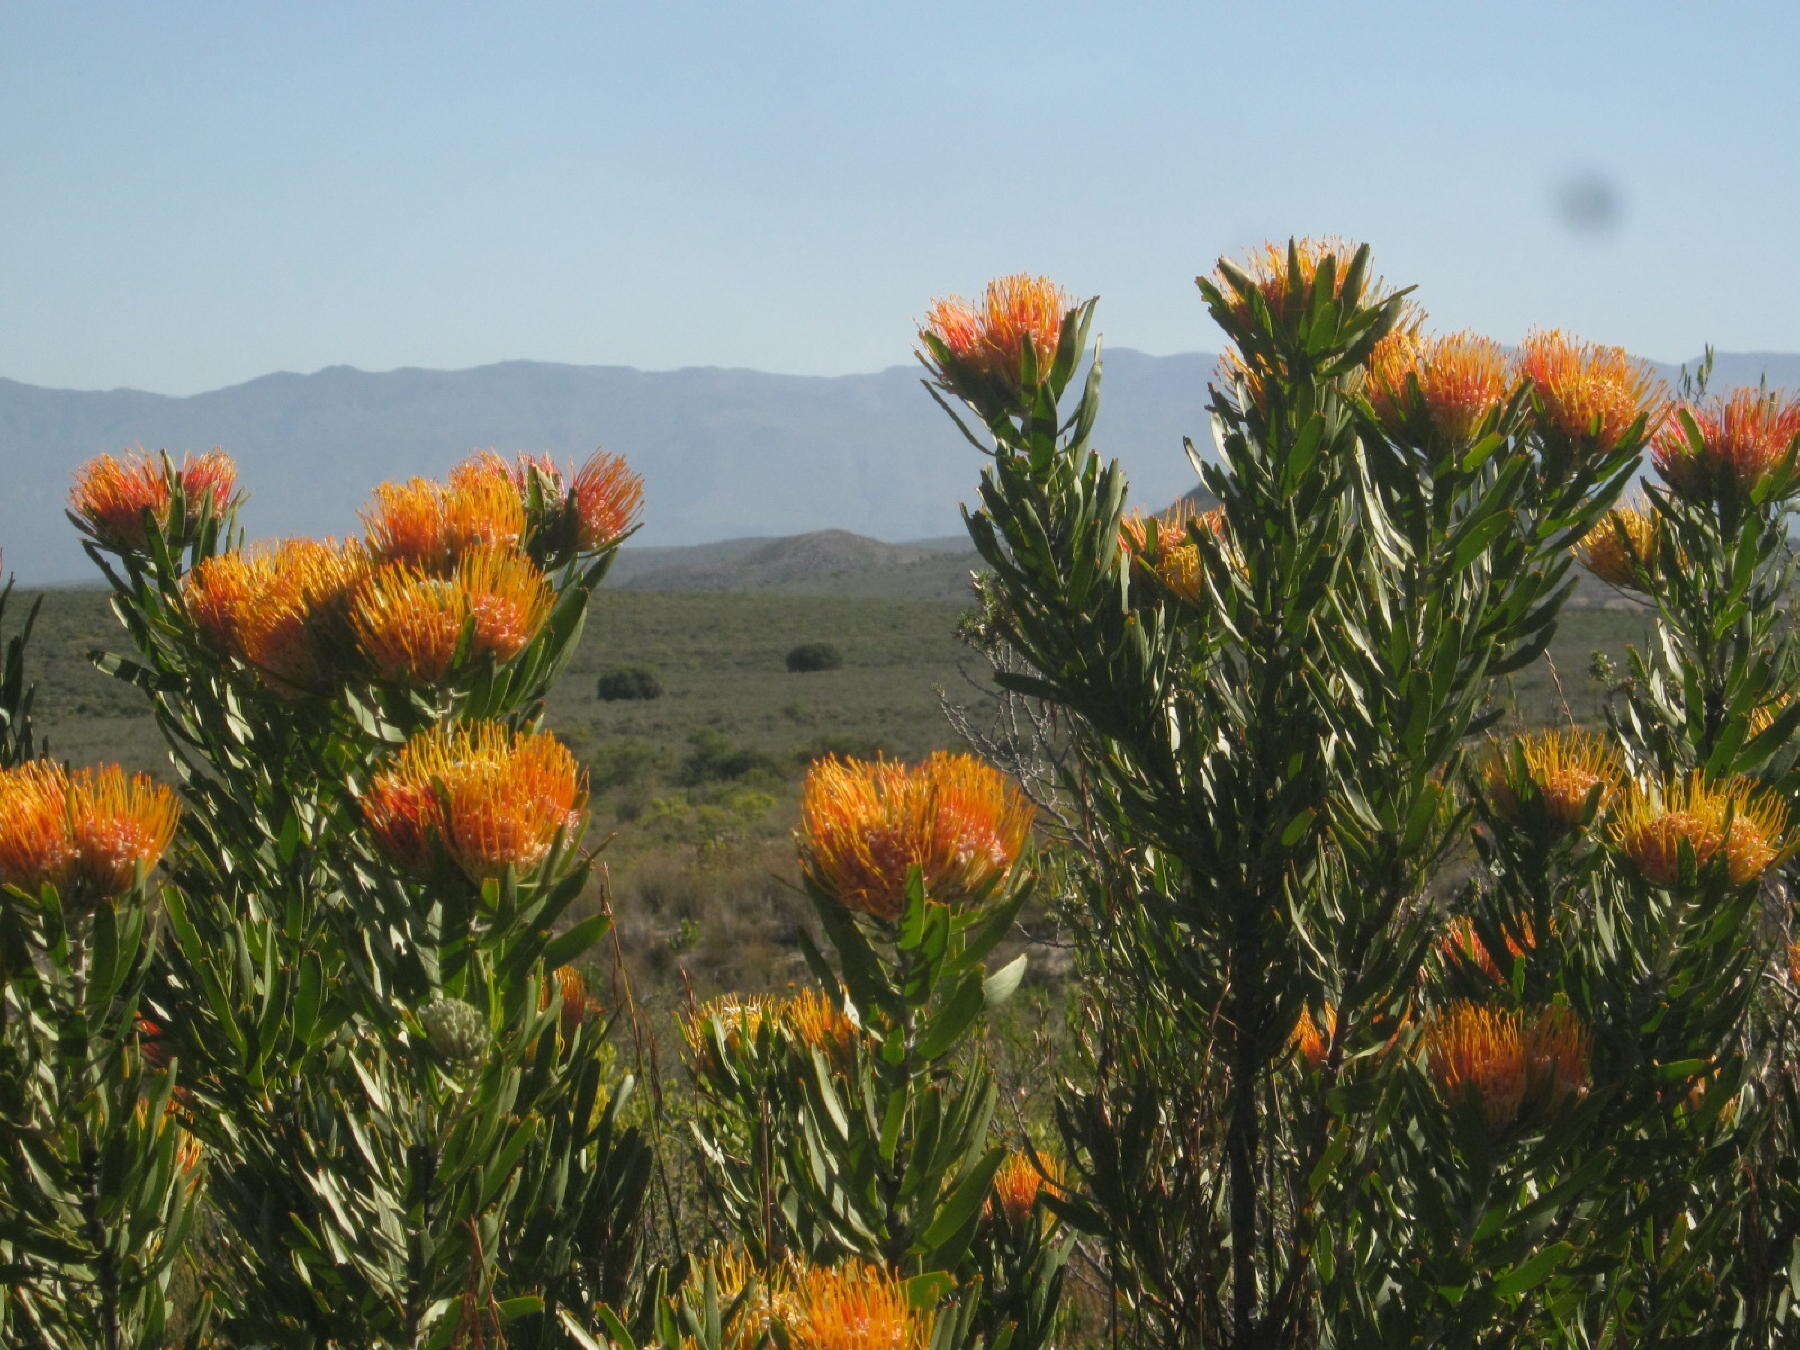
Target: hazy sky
<point>195,194</point>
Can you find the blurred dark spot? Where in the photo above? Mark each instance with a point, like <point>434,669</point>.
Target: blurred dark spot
<point>1588,201</point>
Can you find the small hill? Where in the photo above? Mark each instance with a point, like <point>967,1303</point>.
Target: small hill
<point>822,562</point>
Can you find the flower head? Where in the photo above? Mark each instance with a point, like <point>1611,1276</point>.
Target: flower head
<point>457,1031</point>
<point>1734,824</point>
<point>1462,944</point>
<point>1623,547</point>
<point>984,346</point>
<point>293,627</point>
<point>816,1022</point>
<point>578,1007</point>
<point>1019,1180</point>
<point>1741,442</point>
<point>434,526</point>
<point>1163,548</point>
<point>478,795</point>
<point>604,501</point>
<point>120,499</point>
<point>1437,392</point>
<point>1588,397</point>
<point>1546,778</point>
<point>1509,1065</point>
<point>208,483</point>
<point>1284,275</point>
<point>865,824</point>
<point>410,624</point>
<point>1311,1039</point>
<point>852,1306</point>
<point>220,593</point>
<point>91,833</point>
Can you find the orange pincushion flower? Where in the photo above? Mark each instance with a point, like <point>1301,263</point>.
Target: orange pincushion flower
<point>817,1023</point>
<point>1623,547</point>
<point>1463,945</point>
<point>292,627</point>
<point>1562,768</point>
<point>1744,439</point>
<point>1793,955</point>
<point>985,344</point>
<point>1505,1062</point>
<point>90,832</point>
<point>1310,1039</point>
<point>605,498</point>
<point>1284,288</point>
<point>865,824</point>
<point>220,593</point>
<point>1018,1182</point>
<point>434,526</point>
<point>1587,396</point>
<point>578,1005</point>
<point>410,624</point>
<point>1655,821</point>
<point>118,499</point>
<point>482,796</point>
<point>853,1306</point>
<point>1437,391</point>
<point>208,481</point>
<point>1163,546</point>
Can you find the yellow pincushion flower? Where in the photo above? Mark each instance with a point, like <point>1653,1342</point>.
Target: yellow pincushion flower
<point>1563,766</point>
<point>1734,824</point>
<point>1587,396</point>
<point>865,824</point>
<point>1163,547</point>
<point>987,342</point>
<point>478,795</point>
<point>1437,392</point>
<point>1623,547</point>
<point>817,1023</point>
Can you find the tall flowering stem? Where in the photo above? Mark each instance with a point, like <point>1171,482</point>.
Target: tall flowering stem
<point>1264,755</point>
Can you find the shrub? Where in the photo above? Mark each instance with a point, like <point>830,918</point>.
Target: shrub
<point>627,682</point>
<point>810,656</point>
<point>716,760</point>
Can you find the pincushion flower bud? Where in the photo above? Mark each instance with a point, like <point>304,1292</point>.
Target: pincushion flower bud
<point>865,824</point>
<point>981,350</point>
<point>1739,446</point>
<point>579,1007</point>
<point>477,796</point>
<point>852,1306</point>
<point>1735,825</point>
<point>1437,393</point>
<point>1588,397</point>
<point>410,624</point>
<point>91,833</point>
<point>457,1031</point>
<point>434,526</point>
<point>1544,779</point>
<point>1018,1182</point>
<point>1512,1066</point>
<point>1623,547</point>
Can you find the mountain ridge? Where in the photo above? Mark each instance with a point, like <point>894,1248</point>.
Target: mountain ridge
<point>726,452</point>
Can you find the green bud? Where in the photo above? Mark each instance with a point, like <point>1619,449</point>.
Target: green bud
<point>458,1031</point>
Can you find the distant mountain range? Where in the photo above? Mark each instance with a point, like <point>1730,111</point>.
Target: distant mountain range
<point>733,455</point>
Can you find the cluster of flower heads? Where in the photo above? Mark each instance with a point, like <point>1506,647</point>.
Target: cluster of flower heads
<point>850,1306</point>
<point>447,575</point>
<point>120,499</point>
<point>91,833</point>
<point>1163,547</point>
<point>1551,779</point>
<point>983,348</point>
<point>478,797</point>
<point>1515,1067</point>
<point>866,824</point>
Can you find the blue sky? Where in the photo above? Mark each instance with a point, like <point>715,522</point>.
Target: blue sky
<point>195,194</point>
